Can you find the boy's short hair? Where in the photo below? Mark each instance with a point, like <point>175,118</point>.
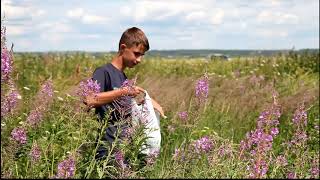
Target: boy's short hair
<point>134,36</point>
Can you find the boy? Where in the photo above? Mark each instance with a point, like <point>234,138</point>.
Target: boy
<point>132,46</point>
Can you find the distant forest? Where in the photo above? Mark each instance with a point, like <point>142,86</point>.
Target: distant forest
<point>229,53</point>
<point>190,53</point>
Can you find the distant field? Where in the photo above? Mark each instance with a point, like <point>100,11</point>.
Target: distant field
<point>206,144</point>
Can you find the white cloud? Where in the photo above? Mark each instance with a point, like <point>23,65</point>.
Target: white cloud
<point>86,18</point>
<point>275,2</point>
<point>14,12</point>
<point>126,11</point>
<point>75,13</point>
<point>93,36</point>
<point>16,30</point>
<point>39,13</point>
<point>272,33</point>
<point>85,36</point>
<point>159,10</point>
<point>196,16</point>
<point>243,25</point>
<point>23,11</point>
<point>52,38</point>
<point>217,18</point>
<point>23,44</point>
<point>55,27</point>
<point>54,33</point>
<point>185,38</point>
<point>93,19</point>
<point>170,23</point>
<point>277,18</point>
<point>206,12</point>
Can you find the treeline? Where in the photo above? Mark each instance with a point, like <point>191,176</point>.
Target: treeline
<point>189,52</point>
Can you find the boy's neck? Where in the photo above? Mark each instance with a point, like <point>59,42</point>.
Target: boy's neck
<point>118,62</point>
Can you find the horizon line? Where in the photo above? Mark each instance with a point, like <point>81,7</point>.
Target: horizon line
<point>173,50</point>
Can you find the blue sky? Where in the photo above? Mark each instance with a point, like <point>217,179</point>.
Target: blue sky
<point>96,25</point>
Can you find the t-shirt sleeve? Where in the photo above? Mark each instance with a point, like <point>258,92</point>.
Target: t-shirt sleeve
<point>101,77</point>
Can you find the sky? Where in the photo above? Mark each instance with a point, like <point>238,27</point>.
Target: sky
<point>97,25</point>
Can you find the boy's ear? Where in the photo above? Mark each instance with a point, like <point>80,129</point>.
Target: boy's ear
<point>122,47</point>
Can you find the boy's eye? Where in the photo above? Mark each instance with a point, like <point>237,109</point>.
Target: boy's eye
<point>137,54</point>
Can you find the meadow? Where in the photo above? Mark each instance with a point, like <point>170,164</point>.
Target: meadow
<point>254,117</point>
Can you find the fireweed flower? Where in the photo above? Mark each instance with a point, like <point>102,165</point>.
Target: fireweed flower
<point>179,155</point>
<point>47,89</point>
<point>128,83</point>
<point>123,104</point>
<point>224,150</point>
<point>259,141</point>
<point>88,87</point>
<point>34,117</point>
<point>35,153</point>
<point>315,168</point>
<point>119,157</point>
<point>66,168</point>
<point>6,64</point>
<point>6,57</point>
<point>19,134</point>
<point>128,132</point>
<point>203,144</point>
<point>43,99</point>
<point>151,158</point>
<point>299,119</point>
<point>176,153</point>
<point>202,88</point>
<point>299,137</point>
<point>44,96</point>
<point>183,115</point>
<point>291,175</point>
<point>281,160</point>
<point>274,131</point>
<point>9,102</point>
<point>3,34</point>
<point>300,116</point>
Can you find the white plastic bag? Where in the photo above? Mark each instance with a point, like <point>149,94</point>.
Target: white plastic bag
<point>145,113</point>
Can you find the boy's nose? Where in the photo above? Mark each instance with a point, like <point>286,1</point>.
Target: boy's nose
<point>138,59</point>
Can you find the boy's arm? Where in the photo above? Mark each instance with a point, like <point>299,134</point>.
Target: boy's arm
<point>102,98</point>
<point>157,106</point>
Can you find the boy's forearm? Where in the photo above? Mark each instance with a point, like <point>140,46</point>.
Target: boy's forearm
<point>157,106</point>
<point>154,102</point>
<point>103,98</point>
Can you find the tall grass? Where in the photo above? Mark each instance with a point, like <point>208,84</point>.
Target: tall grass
<point>205,144</point>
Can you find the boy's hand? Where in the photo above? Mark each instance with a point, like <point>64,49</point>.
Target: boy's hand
<point>134,91</point>
<point>88,100</point>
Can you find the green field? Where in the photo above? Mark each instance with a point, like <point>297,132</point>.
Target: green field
<point>239,91</point>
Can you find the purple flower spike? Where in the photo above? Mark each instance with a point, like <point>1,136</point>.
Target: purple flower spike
<point>203,144</point>
<point>119,157</point>
<point>19,134</point>
<point>47,88</point>
<point>202,88</point>
<point>35,153</point>
<point>300,116</point>
<point>34,117</point>
<point>66,168</point>
<point>274,131</point>
<point>6,57</point>
<point>183,115</point>
<point>9,103</point>
<point>6,64</point>
<point>291,175</point>
<point>88,87</point>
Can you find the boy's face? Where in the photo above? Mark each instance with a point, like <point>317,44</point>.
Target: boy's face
<point>133,56</point>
